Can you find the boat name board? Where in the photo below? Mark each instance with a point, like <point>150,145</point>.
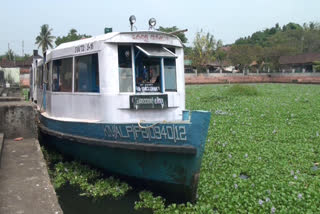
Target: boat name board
<point>148,101</point>
<point>165,132</point>
<point>149,37</point>
<point>84,48</point>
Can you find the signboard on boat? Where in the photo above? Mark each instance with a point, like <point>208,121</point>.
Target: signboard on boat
<point>148,101</point>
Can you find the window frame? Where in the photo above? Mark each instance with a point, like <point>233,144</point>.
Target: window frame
<point>162,71</point>
<point>132,69</point>
<point>74,74</point>
<point>176,82</point>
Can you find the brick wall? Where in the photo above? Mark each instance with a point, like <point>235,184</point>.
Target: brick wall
<point>262,78</point>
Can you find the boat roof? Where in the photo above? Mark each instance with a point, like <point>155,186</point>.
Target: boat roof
<point>138,37</point>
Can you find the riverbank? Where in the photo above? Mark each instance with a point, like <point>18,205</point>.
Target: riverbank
<point>223,78</point>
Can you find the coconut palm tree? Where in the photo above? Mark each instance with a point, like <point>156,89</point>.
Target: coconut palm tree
<point>45,38</point>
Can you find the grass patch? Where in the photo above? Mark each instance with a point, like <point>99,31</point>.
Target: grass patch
<point>25,93</point>
<point>241,90</point>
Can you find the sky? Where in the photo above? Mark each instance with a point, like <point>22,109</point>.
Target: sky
<point>227,20</point>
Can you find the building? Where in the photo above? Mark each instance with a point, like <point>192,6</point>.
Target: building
<point>299,63</point>
<point>18,72</point>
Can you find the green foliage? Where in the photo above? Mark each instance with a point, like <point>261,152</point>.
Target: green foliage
<point>268,45</point>
<point>262,152</point>
<point>22,58</point>
<point>45,39</point>
<point>72,36</point>
<point>181,35</point>
<point>187,51</point>
<point>243,55</point>
<point>203,51</point>
<point>90,181</point>
<point>25,93</point>
<point>316,65</point>
<point>241,90</point>
<point>9,55</point>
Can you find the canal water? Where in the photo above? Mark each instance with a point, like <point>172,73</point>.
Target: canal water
<point>72,203</point>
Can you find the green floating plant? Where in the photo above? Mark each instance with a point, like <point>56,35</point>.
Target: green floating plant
<point>262,153</point>
<point>90,181</point>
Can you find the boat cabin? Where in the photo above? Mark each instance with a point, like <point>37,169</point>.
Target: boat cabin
<point>113,78</point>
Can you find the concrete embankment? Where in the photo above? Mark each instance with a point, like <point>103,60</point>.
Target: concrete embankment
<point>17,118</point>
<point>24,181</point>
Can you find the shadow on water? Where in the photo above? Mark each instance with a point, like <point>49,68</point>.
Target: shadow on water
<point>72,203</point>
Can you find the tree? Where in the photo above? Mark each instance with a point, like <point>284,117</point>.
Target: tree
<point>72,36</point>
<point>204,46</point>
<point>10,55</point>
<point>187,51</point>
<point>316,65</point>
<point>221,55</point>
<point>244,55</point>
<point>181,35</point>
<point>45,39</point>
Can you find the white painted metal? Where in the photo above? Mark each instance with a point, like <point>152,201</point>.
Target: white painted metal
<point>109,105</point>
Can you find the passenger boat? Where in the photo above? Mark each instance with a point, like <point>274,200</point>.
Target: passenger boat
<point>117,101</point>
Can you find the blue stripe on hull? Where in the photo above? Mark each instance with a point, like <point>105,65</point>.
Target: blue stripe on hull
<point>158,166</point>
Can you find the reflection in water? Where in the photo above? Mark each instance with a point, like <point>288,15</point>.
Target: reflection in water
<point>72,203</point>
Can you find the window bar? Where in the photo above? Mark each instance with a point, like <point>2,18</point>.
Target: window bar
<point>73,66</point>
<point>133,69</point>
<point>162,75</point>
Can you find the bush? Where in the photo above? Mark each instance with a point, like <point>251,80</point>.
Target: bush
<point>242,90</point>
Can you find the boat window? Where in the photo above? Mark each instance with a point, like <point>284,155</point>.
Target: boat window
<point>49,83</point>
<point>156,51</point>
<point>125,68</point>
<point>62,75</point>
<point>38,76</point>
<point>148,67</point>
<point>87,73</point>
<point>170,74</point>
<point>40,72</point>
<point>45,76</point>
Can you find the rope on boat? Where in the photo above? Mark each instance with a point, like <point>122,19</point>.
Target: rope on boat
<point>146,127</point>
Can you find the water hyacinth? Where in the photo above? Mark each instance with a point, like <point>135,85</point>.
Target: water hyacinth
<point>220,112</point>
<point>260,202</point>
<point>276,151</point>
<point>89,180</point>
